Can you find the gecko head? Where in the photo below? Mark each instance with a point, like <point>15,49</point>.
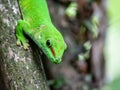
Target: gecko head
<point>52,44</point>
<point>55,48</point>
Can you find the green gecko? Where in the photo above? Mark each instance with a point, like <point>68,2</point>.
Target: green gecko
<point>37,24</point>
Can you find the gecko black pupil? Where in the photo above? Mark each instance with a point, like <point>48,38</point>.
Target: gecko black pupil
<point>48,43</point>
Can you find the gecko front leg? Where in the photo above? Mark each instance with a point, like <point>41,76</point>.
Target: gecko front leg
<point>22,27</point>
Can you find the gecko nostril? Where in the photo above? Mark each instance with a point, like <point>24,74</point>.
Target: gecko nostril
<point>58,59</point>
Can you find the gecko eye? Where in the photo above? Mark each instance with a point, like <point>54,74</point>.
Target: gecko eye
<point>48,43</point>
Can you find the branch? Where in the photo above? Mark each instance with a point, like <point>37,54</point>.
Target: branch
<point>20,69</point>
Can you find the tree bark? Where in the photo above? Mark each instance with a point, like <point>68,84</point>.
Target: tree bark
<point>19,69</point>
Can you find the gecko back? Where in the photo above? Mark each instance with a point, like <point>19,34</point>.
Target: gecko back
<point>34,12</point>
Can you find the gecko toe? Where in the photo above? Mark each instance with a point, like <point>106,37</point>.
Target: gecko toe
<point>26,46</point>
<point>18,43</point>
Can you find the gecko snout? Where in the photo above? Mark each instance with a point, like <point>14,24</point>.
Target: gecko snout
<point>57,60</point>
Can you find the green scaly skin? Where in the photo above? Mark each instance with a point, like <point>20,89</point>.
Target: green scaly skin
<point>36,23</point>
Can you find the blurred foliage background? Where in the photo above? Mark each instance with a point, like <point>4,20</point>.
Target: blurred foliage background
<point>91,29</point>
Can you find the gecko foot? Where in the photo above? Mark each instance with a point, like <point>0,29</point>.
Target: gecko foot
<point>24,43</point>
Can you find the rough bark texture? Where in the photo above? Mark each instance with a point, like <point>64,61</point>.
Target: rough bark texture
<point>19,69</point>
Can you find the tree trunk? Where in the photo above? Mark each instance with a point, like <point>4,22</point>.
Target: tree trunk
<point>19,69</point>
